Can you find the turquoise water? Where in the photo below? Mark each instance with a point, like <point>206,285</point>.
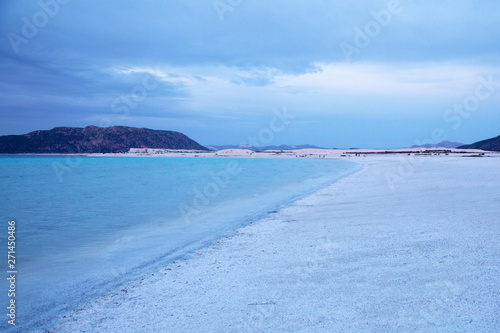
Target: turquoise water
<point>86,225</point>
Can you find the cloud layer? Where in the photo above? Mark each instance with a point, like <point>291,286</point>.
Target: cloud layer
<point>357,73</point>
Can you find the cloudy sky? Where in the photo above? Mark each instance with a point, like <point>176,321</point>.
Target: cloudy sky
<point>370,74</point>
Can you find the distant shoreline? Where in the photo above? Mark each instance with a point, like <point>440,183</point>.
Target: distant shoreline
<point>301,153</point>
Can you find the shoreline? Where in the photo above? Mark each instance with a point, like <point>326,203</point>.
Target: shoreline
<point>312,252</point>
<point>300,153</point>
<point>255,208</point>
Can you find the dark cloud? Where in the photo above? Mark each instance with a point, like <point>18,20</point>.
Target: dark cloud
<point>69,59</point>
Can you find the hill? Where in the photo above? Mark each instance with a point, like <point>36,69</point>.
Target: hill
<point>92,139</point>
<point>442,144</point>
<point>261,148</point>
<point>489,144</point>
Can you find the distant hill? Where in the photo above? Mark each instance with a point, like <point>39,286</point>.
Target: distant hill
<point>442,144</point>
<point>490,144</point>
<point>92,139</point>
<point>261,148</point>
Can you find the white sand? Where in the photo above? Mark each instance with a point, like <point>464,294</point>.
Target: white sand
<point>359,256</point>
<point>304,153</point>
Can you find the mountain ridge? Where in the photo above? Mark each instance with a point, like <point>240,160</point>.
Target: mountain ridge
<point>93,139</point>
<point>261,148</point>
<point>442,144</point>
<point>492,144</point>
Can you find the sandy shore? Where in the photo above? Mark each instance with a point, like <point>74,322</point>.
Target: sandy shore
<point>403,245</point>
<point>300,153</point>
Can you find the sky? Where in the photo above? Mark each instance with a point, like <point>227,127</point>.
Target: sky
<point>336,74</point>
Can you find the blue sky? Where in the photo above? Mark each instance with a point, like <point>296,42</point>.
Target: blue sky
<point>369,74</point>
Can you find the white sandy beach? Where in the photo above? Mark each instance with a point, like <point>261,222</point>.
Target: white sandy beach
<point>402,245</point>
<point>301,153</point>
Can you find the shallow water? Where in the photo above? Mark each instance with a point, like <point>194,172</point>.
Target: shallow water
<point>86,225</point>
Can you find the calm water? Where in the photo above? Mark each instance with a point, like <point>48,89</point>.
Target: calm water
<point>87,225</point>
